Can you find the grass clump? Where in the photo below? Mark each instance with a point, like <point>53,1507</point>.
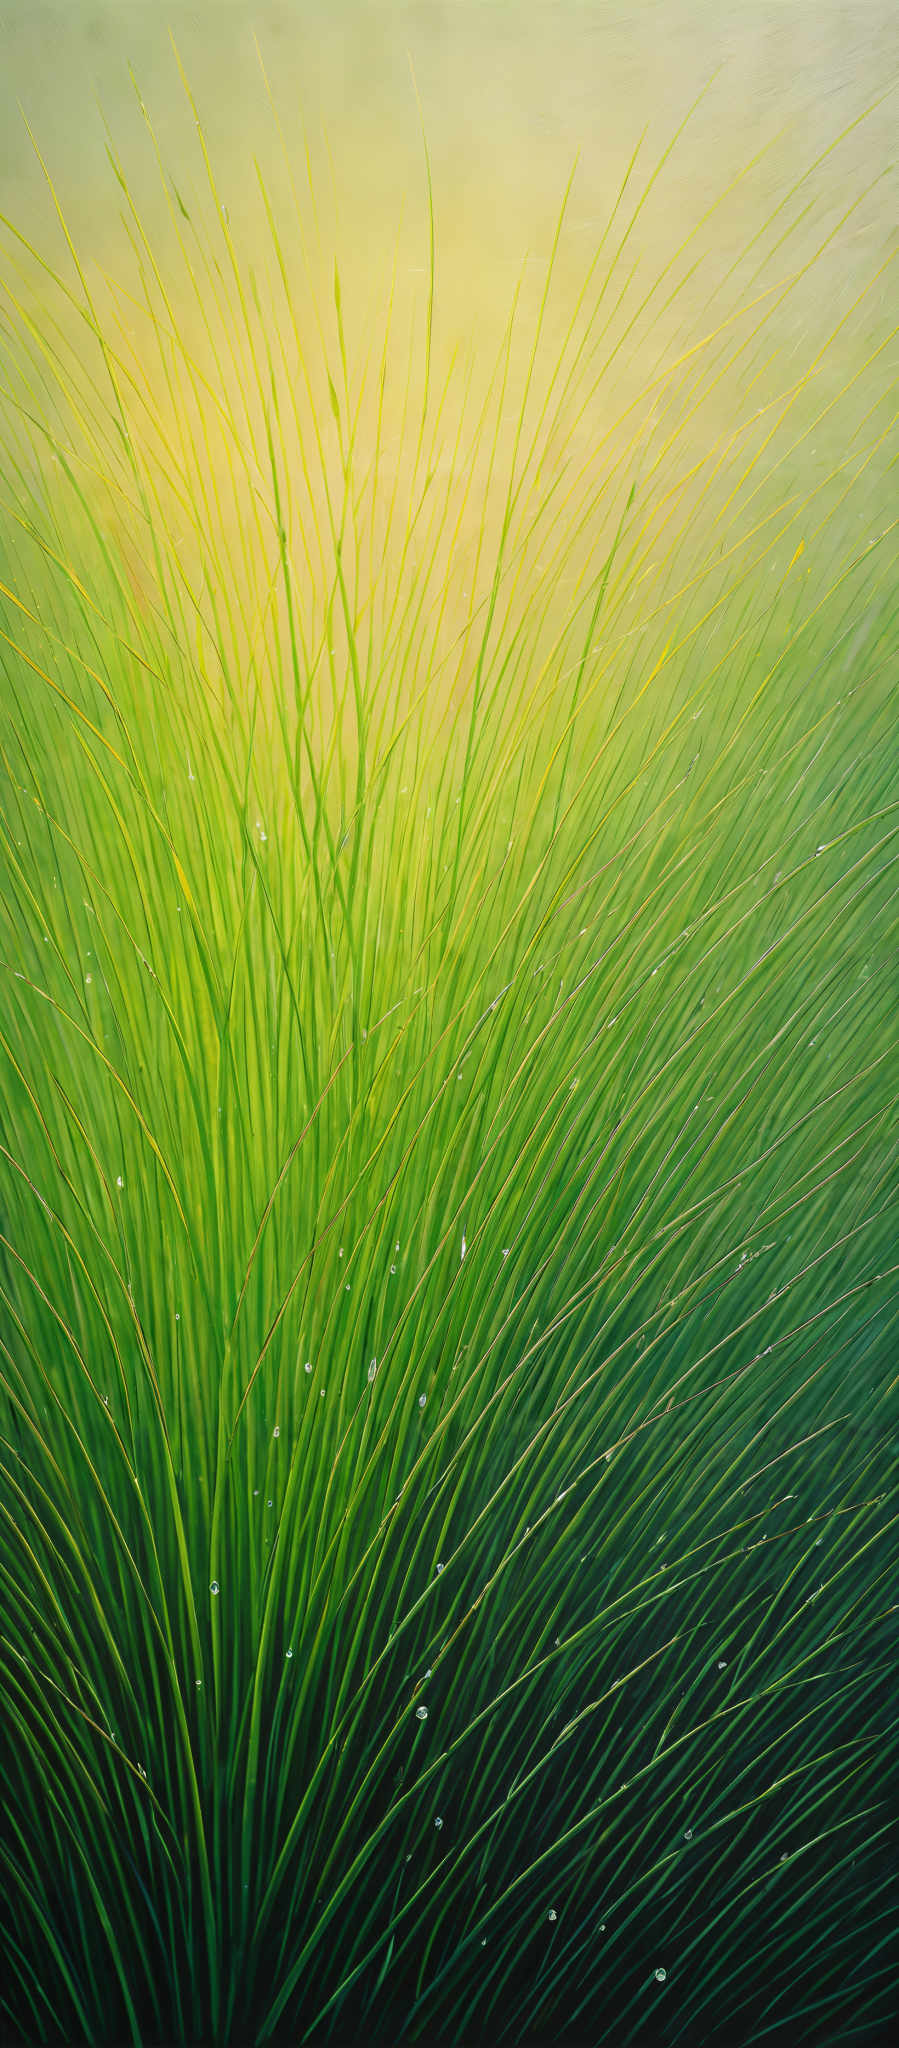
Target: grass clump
<point>447,1083</point>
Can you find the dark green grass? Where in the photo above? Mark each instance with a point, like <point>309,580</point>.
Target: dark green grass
<point>448,1199</point>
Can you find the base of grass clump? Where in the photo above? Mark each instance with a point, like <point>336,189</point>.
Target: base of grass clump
<point>447,1084</point>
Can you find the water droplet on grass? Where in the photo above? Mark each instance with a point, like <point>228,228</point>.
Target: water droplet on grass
<point>308,1365</point>
<point>277,1429</point>
<point>288,1653</point>
<point>660,1976</point>
<point>214,1586</point>
<point>440,1568</point>
<point>552,1914</point>
<point>372,1370</point>
<point>438,1822</point>
<point>422,1399</point>
<point>421,1713</point>
<point>120,1180</point>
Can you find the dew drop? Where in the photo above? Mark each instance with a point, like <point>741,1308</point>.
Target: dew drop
<point>552,1914</point>
<point>440,1568</point>
<point>438,1822</point>
<point>214,1586</point>
<point>120,1181</point>
<point>688,1834</point>
<point>660,1976</point>
<point>308,1365</point>
<point>421,1713</point>
<point>422,1398</point>
<point>277,1429</point>
<point>288,1653</point>
<point>372,1370</point>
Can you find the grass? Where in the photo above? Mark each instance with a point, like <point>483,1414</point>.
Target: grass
<point>447,1087</point>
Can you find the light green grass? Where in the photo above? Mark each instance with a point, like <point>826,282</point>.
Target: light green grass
<point>448,1099</point>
